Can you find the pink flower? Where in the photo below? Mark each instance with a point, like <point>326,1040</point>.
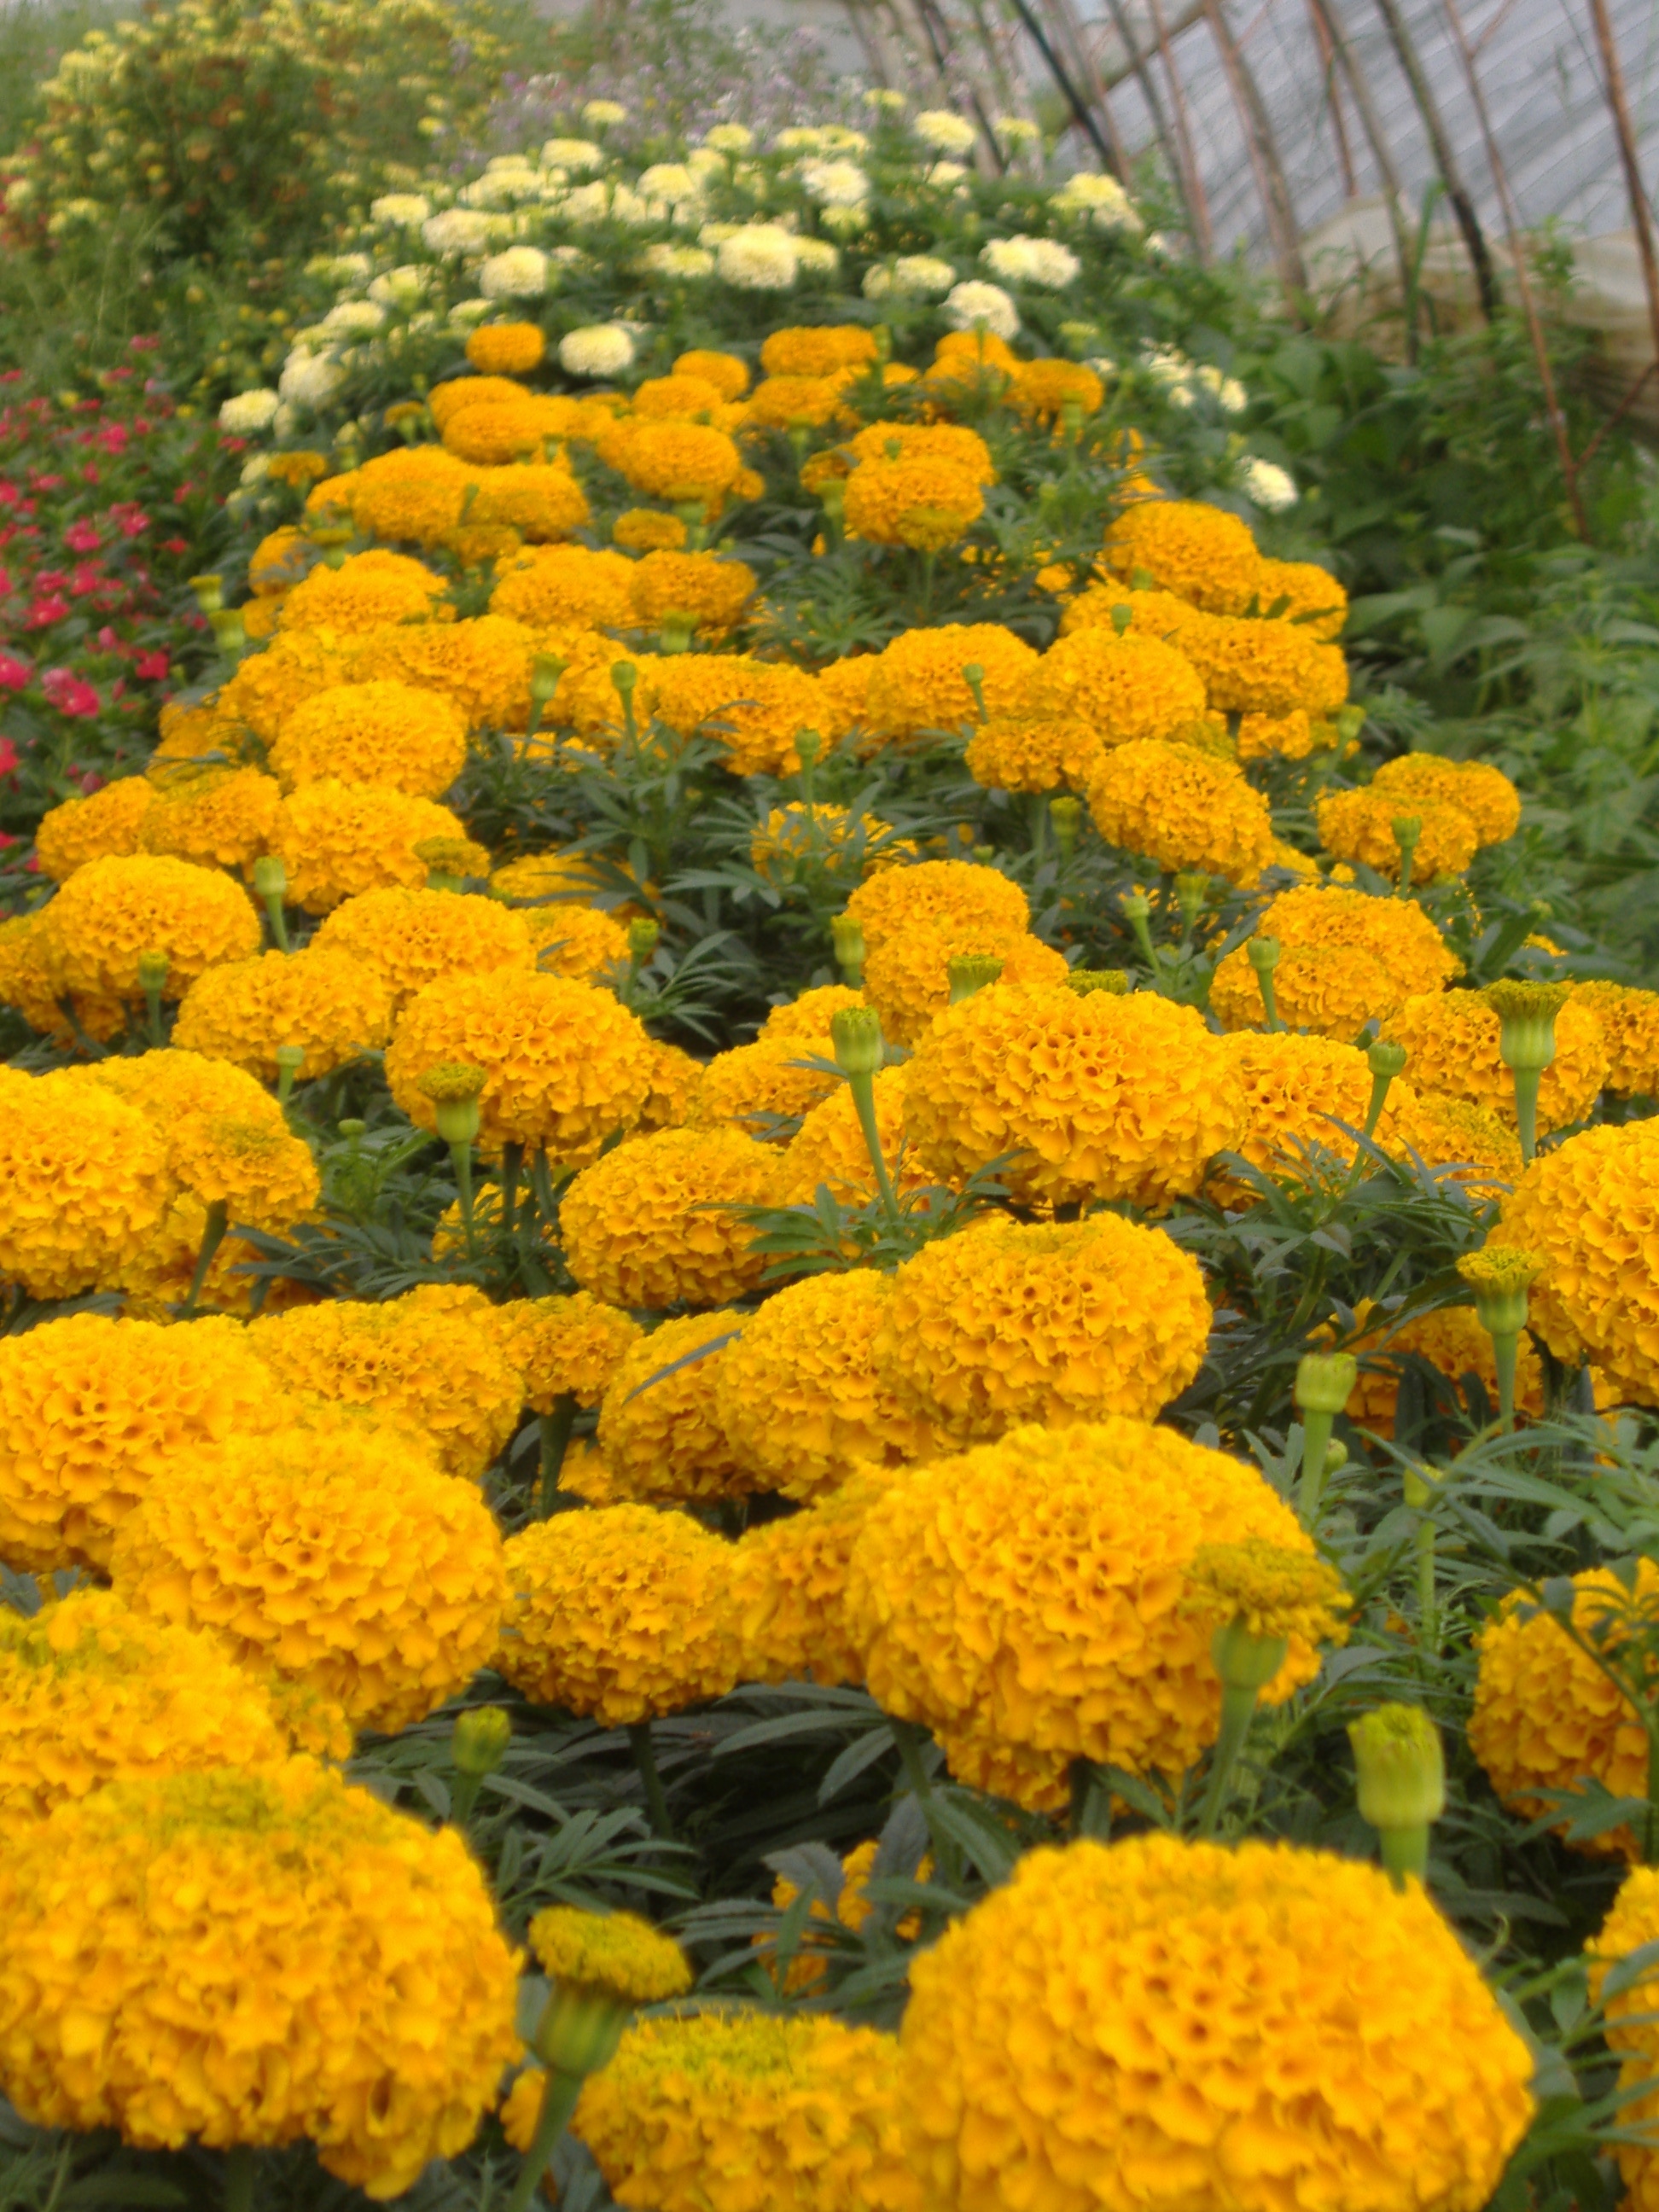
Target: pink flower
<point>14,673</point>
<point>91,781</point>
<point>150,668</point>
<point>68,693</point>
<point>8,757</point>
<point>82,536</point>
<point>9,492</point>
<point>142,345</point>
<point>44,613</point>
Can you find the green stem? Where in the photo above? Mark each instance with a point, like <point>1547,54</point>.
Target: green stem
<point>461,1155</point>
<point>1526,1108</point>
<point>213,1235</point>
<point>863,1088</point>
<point>1316,1435</point>
<point>512,1162</point>
<point>645,1758</point>
<point>1405,1851</point>
<point>1505,1350</point>
<point>556,1429</point>
<point>153,1000</point>
<point>238,2178</point>
<point>1269,1000</point>
<point>1427,1616</point>
<point>278,921</point>
<point>463,1796</point>
<point>558,2103</point>
<point>1237,1710</point>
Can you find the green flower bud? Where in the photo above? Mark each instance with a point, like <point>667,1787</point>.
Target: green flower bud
<point>970,972</point>
<point>856,1032</point>
<point>1325,1380</point>
<point>1401,1766</point>
<point>1526,1014</point>
<point>479,1742</point>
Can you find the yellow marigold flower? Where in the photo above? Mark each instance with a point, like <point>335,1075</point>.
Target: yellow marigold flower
<point>1033,754</point>
<point>1182,808</point>
<point>441,1371</point>
<point>935,442</point>
<point>111,913</point>
<point>1449,1132</point>
<point>803,2112</point>
<point>959,895</point>
<point>787,1587</point>
<point>413,937</point>
<point>579,941</point>
<point>269,685</point>
<point>829,1150</point>
<point>758,1086</point>
<point>1009,1321</point>
<point>908,977</point>
<point>1476,789</point>
<point>341,1558</point>
<point>1296,1090</point>
<point>917,681</point>
<point>1630,1027</point>
<point>619,1614</point>
<point>1265,667</point>
<point>372,587</point>
<point>1125,688</point>
<point>175,1895</point>
<point>818,349</point>
<point>493,436</point>
<point>674,1080</point>
<point>674,461</point>
<point>843,700</point>
<point>549,875</point>
<point>785,403</point>
<point>384,734</point>
<point>1452,1037</point>
<point>567,584</point>
<point>1275,737</point>
<point>918,501</point>
<point>415,494</point>
<point>756,708</point>
<point>660,1432</point>
<point>1630,1926</point>
<point>729,376</point>
<point>221,817</point>
<point>83,1182</point>
<point>26,984</point>
<point>91,1693</point>
<point>92,1411</point>
<point>565,1065</point>
<point>1545,1717</point>
<point>1450,1338</point>
<point>1024,1602</point>
<point>450,399</point>
<point>1195,551</point>
<point>332,497</point>
<point>1357,826</point>
<point>171,1085</point>
<point>1586,1210</point>
<point>339,840</point>
<point>484,666</point>
<point>277,563</point>
<point>564,1347</point>
<point>533,501</point>
<point>193,732</point>
<point>644,530</point>
<point>679,397</point>
<point>797,840</point>
<point>800,1395</point>
<point>1016,2093</point>
<point>614,1953</point>
<point>978,348</point>
<point>505,348</point>
<point>1098,1095</point>
<point>1304,593</point>
<point>702,589</point>
<point>104,827</point>
<point>651,1224</point>
<point>334,1007</point>
<point>1395,931</point>
<point>264,1177</point>
<point>1272,1592</point>
<point>806,1020</point>
<point>1045,389</point>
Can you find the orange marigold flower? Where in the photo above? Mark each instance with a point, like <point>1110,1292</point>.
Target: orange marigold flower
<point>653,1224</point>
<point>1452,1037</point>
<point>729,376</point>
<point>112,914</point>
<point>1127,688</point>
<point>757,708</point>
<point>907,976</point>
<point>935,442</point>
<point>105,826</point>
<point>917,683</point>
<point>1182,808</point>
<point>699,589</point>
<point>333,1007</point>
<point>367,588</point>
<point>505,348</point>
<point>645,529</point>
<point>1197,552</point>
<point>918,501</point>
<point>221,817</point>
<point>1359,826</point>
<point>1046,389</point>
<point>1476,789</point>
<point>339,840</point>
<point>411,938</point>
<point>818,350</point>
<point>1051,753</point>
<point>384,734</point>
<point>567,584</point>
<point>660,1431</point>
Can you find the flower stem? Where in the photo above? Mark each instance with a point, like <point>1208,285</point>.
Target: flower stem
<point>238,2178</point>
<point>1405,1851</point>
<point>278,921</point>
<point>1505,1351</point>
<point>558,2103</point>
<point>556,1429</point>
<point>512,1161</point>
<point>645,1758</point>
<point>1237,1710</point>
<point>213,1235</point>
<point>863,1088</point>
<point>1316,1435</point>
<point>462,1156</point>
<point>1527,1080</point>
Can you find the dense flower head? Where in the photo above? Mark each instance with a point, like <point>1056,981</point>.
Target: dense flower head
<point>1049,389</point>
<point>1097,1097</point>
<point>818,350</point>
<point>1296,1090</point>
<point>83,1183</point>
<point>1476,789</point>
<point>675,461</point>
<point>90,1693</point>
<point>103,827</point>
<point>647,530</point>
<point>618,1615</point>
<point>384,733</point>
<point>917,683</point>
<point>564,1347</point>
<point>702,588</point>
<point>678,396</point>
<point>1303,592</point>
<point>1450,1340</point>
<point>1026,1601</point>
<point>1127,688</point>
<point>660,1431</point>
<point>788,1586</point>
<point>449,399</point>
<point>1254,667</point>
<point>1285,737</point>
<point>1359,826</point>
<point>579,941</point>
<point>1065,2047</point>
<point>1395,931</point>
<point>907,976</point>
<point>653,1224</point>
<point>28,985</point>
<point>505,348</point>
<point>1631,1926</point>
<point>94,1411</point>
<point>266,687</point>
<point>725,371</point>
<point>531,500</point>
<point>377,586</point>
<point>1035,753</point>
<point>800,1394</point>
<point>338,839</point>
<point>565,1065</point>
<point>1197,552</point>
<point>959,895</point>
<point>381,2036</point>
<point>415,494</point>
<point>111,913</point>
<point>614,1953</point>
<point>785,403</point>
<point>830,1151</point>
<point>409,938</point>
<point>496,435</point>
<point>1010,1321</point>
<point>215,817</point>
<point>756,708</point>
<point>1547,1719</point>
<point>1630,1029</point>
<point>1269,1590</point>
<point>408,1361</point>
<point>171,1085</point>
<point>918,501</point>
<point>757,1087</point>
<point>567,584</point>
<point>1589,1211</point>
<point>1182,808</point>
<point>334,1554</point>
<point>484,666</point>
<point>798,839</point>
<point>1453,1037</point>
<point>263,1175</point>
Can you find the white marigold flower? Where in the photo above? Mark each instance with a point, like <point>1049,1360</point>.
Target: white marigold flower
<point>1265,484</point>
<point>309,380</point>
<point>1227,392</point>
<point>520,273</point>
<point>972,306</point>
<point>916,277</point>
<point>248,413</point>
<point>950,134</point>
<point>1013,259</point>
<point>1016,130</point>
<point>834,184</point>
<point>457,230</point>
<point>401,287</point>
<point>600,349</point>
<point>1099,199</point>
<point>669,180</point>
<point>817,256</point>
<point>685,261</point>
<point>354,318</point>
<point>599,114</point>
<point>572,154</point>
<point>465,312</point>
<point>630,207</point>
<point>400,210</point>
<point>257,467</point>
<point>760,258</point>
<point>943,175</point>
<point>729,139</point>
<point>885,102</point>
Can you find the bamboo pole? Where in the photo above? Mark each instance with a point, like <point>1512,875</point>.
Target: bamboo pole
<point>1064,16</point>
<point>1192,176</point>
<point>1263,152</point>
<point>1381,154</point>
<point>1333,93</point>
<point>1640,213</point>
<point>1457,192</point>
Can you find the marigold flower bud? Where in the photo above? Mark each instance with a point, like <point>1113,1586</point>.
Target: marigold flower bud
<point>856,1032</point>
<point>1263,954</point>
<point>1066,813</point>
<point>152,973</point>
<point>1401,1766</point>
<point>270,877</point>
<point>970,972</point>
<point>1325,1380</point>
<point>642,935</point>
<point>479,1742</point>
<point>1500,1281</point>
<point>1114,981</point>
<point>209,593</point>
<point>1526,1014</point>
<point>1387,1060</point>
